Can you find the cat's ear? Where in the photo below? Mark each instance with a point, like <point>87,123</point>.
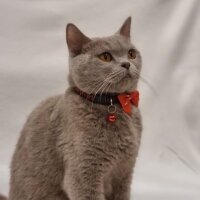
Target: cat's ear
<point>75,39</point>
<point>125,28</point>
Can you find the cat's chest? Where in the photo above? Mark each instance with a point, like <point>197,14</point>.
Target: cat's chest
<point>120,135</point>
<point>89,125</point>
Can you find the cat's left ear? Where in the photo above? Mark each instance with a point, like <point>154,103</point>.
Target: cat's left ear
<point>125,28</point>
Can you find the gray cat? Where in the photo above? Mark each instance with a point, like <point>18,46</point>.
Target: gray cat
<point>83,145</point>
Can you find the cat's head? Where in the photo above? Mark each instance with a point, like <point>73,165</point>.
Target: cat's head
<point>107,64</point>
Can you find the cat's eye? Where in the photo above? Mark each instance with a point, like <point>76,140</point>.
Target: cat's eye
<point>106,57</point>
<point>132,54</point>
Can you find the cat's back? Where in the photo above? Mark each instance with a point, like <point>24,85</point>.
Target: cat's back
<point>36,164</point>
<point>39,119</point>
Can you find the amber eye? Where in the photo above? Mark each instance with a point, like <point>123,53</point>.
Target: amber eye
<point>106,57</point>
<point>132,54</point>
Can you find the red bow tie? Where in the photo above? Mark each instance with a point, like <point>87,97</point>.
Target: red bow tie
<point>127,99</point>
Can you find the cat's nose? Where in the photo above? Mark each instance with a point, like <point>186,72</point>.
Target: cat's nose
<point>126,65</point>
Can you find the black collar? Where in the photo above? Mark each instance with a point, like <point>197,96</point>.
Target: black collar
<point>104,98</point>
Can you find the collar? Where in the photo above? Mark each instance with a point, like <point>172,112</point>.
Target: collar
<point>126,100</point>
<point>102,98</point>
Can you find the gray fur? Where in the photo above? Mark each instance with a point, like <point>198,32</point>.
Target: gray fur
<point>67,148</point>
<point>2,197</point>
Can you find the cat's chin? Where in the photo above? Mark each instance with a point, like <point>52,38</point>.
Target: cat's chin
<point>126,78</point>
<point>127,83</point>
<point>123,87</point>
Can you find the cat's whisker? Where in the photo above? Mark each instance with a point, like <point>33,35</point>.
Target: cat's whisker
<point>103,86</point>
<point>103,89</point>
<point>150,85</point>
<point>146,82</point>
<point>113,80</point>
<point>99,89</point>
<point>108,78</point>
<point>98,83</point>
<point>114,76</point>
<point>105,83</point>
<point>96,87</point>
<point>110,83</point>
<point>106,91</point>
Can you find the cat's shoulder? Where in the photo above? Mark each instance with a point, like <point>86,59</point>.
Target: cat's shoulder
<point>49,102</point>
<point>46,107</point>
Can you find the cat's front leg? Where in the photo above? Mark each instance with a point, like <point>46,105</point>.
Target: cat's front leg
<point>121,190</point>
<point>83,180</point>
<point>121,181</point>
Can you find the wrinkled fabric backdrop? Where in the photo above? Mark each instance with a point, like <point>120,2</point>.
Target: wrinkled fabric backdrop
<point>34,65</point>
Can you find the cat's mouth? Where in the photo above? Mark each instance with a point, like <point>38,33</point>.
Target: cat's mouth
<point>126,76</point>
<point>123,77</point>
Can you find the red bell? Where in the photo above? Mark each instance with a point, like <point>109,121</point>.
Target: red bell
<point>112,118</point>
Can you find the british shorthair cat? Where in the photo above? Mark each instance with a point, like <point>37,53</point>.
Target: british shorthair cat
<point>83,144</point>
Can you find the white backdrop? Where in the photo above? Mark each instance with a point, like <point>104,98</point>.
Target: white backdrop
<point>33,66</point>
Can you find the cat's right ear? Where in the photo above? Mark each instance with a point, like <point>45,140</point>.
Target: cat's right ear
<point>75,39</point>
<point>126,28</point>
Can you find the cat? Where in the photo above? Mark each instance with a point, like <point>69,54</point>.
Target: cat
<point>83,145</point>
